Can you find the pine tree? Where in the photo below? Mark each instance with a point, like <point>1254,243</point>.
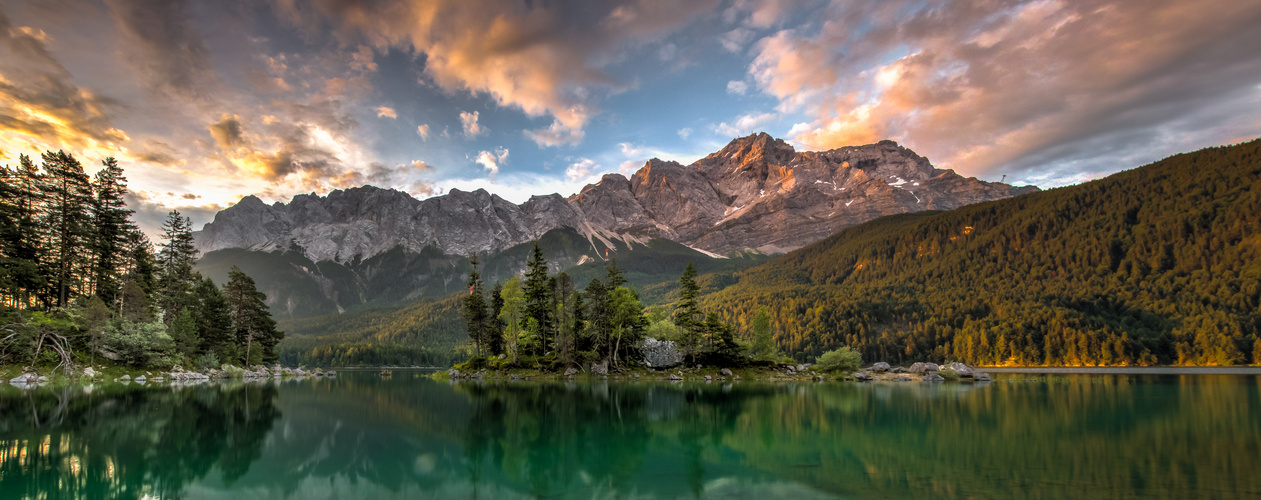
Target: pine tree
<point>596,336</point>
<point>256,332</point>
<point>687,315</point>
<point>562,311</point>
<point>175,264</point>
<point>20,239</point>
<point>538,297</point>
<point>495,337</point>
<point>67,197</point>
<point>110,218</point>
<point>214,320</point>
<point>475,315</point>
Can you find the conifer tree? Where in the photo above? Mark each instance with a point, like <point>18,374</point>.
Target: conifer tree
<point>687,315</point>
<point>112,230</point>
<point>256,334</point>
<point>214,321</point>
<point>67,197</point>
<point>175,264</point>
<point>511,314</point>
<point>20,237</point>
<point>476,317</point>
<point>538,297</point>
<point>495,337</point>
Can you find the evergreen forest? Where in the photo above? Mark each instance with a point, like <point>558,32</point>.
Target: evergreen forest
<point>1152,266</point>
<point>81,284</point>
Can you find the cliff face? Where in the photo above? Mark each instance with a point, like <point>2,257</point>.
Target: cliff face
<point>756,193</point>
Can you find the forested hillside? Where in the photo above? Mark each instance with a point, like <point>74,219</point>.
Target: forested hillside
<point>431,331</point>
<point>1156,265</point>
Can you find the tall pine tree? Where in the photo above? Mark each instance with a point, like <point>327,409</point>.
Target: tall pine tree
<point>687,315</point>
<point>110,219</point>
<point>175,264</point>
<point>538,297</point>
<point>476,318</point>
<point>256,334</point>
<point>67,197</point>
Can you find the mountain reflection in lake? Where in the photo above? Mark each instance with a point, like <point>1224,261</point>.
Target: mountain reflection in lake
<point>358,436</point>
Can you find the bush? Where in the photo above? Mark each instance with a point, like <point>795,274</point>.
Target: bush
<point>232,371</point>
<point>207,361</point>
<point>473,364</point>
<point>843,359</point>
<point>949,375</point>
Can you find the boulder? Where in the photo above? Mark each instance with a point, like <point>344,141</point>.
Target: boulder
<point>709,378</point>
<point>125,378</point>
<point>501,356</point>
<point>801,368</point>
<point>933,377</point>
<point>157,379</point>
<point>725,372</point>
<point>660,353</point>
<point>42,379</point>
<point>674,377</point>
<point>923,367</point>
<point>571,371</point>
<point>25,378</point>
<point>965,371</point>
<point>601,368</point>
<point>453,373</point>
<point>897,369</point>
<point>880,367</point>
<point>141,378</point>
<point>89,372</point>
<point>330,373</point>
<point>861,376</point>
<point>981,377</point>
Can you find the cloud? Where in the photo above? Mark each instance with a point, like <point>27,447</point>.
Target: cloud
<point>492,161</point>
<point>471,127</point>
<point>423,131</point>
<point>556,135</point>
<point>386,112</point>
<point>227,132</point>
<point>40,106</point>
<point>759,13</point>
<point>737,87</point>
<point>629,167</point>
<point>685,132</point>
<point>1062,87</point>
<point>744,124</point>
<point>629,149</point>
<point>166,48</point>
<point>539,57</point>
<point>734,40</point>
<point>581,169</point>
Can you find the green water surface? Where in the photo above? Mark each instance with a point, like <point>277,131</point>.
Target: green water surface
<point>360,436</point>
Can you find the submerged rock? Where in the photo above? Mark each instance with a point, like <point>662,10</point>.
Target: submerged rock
<point>981,377</point>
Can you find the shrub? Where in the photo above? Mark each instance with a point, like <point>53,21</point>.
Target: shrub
<point>207,361</point>
<point>843,359</point>
<point>232,371</point>
<point>949,375</point>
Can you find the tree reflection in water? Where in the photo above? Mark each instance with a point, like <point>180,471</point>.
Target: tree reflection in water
<point>126,441</point>
<point>412,437</point>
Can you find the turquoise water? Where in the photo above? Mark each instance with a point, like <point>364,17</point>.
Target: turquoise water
<point>359,436</point>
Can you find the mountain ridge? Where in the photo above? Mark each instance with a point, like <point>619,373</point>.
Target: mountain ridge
<point>718,204</point>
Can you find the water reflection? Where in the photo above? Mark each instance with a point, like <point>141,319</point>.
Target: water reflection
<point>1140,436</point>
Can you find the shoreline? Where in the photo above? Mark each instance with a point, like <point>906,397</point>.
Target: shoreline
<point>1127,370</point>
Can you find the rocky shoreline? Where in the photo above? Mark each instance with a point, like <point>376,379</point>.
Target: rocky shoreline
<point>881,371</point>
<point>178,374</point>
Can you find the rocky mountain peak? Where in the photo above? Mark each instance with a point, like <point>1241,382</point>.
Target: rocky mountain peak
<point>757,192</point>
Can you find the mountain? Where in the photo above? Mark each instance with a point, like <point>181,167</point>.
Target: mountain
<point>368,245</point>
<point>1156,265</point>
<point>756,193</point>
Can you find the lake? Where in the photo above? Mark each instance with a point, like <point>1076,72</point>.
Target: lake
<point>1024,435</point>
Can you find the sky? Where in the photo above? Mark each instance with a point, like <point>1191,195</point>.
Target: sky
<point>206,102</point>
